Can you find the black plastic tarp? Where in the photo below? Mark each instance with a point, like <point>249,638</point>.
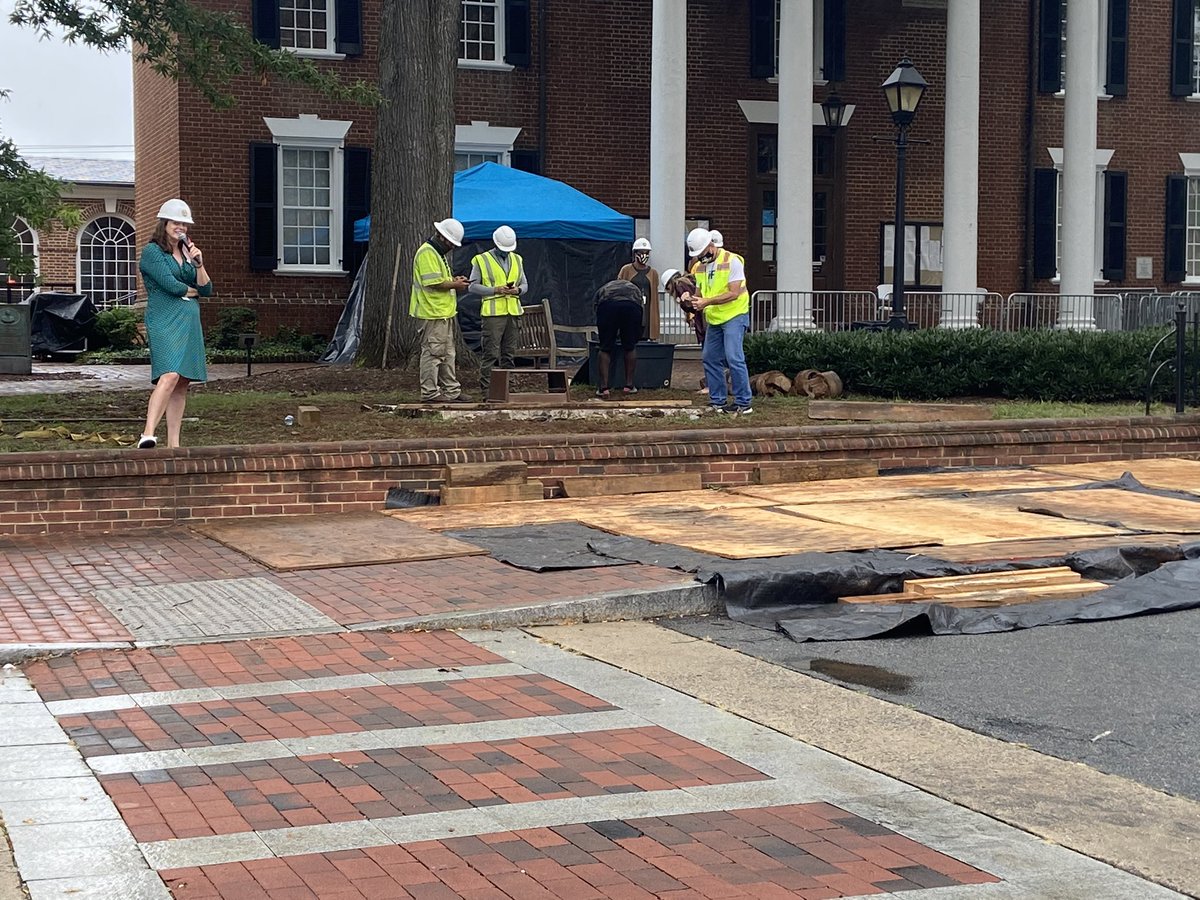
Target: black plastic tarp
<point>348,334</point>
<point>60,323</point>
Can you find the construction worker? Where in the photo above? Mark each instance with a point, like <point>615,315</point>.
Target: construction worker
<point>434,302</point>
<point>718,240</point>
<point>498,278</point>
<point>725,302</point>
<point>645,277</point>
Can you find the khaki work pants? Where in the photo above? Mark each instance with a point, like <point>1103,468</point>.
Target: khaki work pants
<point>437,360</point>
<point>500,335</point>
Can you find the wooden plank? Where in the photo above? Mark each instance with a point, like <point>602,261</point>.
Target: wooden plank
<point>869,411</point>
<point>901,597</point>
<point>475,474</point>
<point>609,485</point>
<point>1109,506</point>
<point>944,520</point>
<point>1047,548</point>
<point>1170,473</point>
<point>1023,578</point>
<point>287,543</point>
<point>815,470</point>
<point>496,493</point>
<point>932,484</point>
<point>1013,597</point>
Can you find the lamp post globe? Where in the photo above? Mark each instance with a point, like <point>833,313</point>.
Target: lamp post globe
<point>833,109</point>
<point>904,89</point>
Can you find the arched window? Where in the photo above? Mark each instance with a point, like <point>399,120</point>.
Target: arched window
<point>27,241</point>
<point>108,261</point>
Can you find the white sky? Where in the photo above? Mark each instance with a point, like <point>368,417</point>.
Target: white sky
<point>64,99</point>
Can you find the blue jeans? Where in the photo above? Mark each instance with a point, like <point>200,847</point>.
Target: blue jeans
<point>723,349</point>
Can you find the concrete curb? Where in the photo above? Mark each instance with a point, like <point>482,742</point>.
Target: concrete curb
<point>19,653</point>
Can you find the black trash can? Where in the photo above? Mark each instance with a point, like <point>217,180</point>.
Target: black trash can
<point>653,372</point>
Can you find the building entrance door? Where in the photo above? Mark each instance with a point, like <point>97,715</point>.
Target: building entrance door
<point>761,260</point>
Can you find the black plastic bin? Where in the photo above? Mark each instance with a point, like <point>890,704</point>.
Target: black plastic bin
<point>654,363</point>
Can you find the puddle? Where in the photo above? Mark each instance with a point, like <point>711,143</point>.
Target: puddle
<point>859,673</point>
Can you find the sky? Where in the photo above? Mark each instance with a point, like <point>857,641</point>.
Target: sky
<point>64,99</point>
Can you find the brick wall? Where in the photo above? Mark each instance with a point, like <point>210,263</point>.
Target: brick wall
<point>58,247</point>
<point>111,490</point>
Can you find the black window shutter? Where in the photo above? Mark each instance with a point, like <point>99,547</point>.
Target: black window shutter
<point>516,33</point>
<point>1115,188</point>
<point>835,40</point>
<point>1116,78</point>
<point>1182,47</point>
<point>1050,48</point>
<point>762,38</point>
<point>356,183</point>
<point>265,17</point>
<point>264,254</point>
<point>526,161</point>
<point>1045,222</point>
<point>348,27</point>
<point>1175,260</point>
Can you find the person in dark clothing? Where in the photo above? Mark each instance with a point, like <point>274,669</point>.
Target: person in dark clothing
<point>619,307</point>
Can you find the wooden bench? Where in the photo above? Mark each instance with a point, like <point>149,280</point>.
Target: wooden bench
<point>537,338</point>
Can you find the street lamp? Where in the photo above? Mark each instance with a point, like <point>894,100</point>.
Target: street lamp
<point>903,89</point>
<point>834,111</point>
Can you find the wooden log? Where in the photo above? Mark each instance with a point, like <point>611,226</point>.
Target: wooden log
<point>868,411</point>
<point>823,385</point>
<point>776,384</point>
<point>476,474</point>
<point>1022,578</point>
<point>496,493</point>
<point>815,470</point>
<point>308,415</point>
<point>608,485</point>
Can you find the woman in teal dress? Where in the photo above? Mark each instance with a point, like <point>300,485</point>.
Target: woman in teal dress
<point>173,271</point>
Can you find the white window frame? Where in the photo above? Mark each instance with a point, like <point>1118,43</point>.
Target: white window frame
<point>308,132</point>
<point>1101,54</point>
<point>498,64</point>
<point>1103,158</point>
<point>1195,50</point>
<point>480,137</point>
<point>1191,257</point>
<point>34,245</point>
<point>131,295</point>
<point>818,34</point>
<point>330,51</point>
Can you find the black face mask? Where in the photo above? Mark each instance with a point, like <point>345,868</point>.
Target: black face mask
<point>707,257</point>
<point>641,257</point>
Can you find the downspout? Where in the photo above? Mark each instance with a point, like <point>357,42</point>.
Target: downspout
<point>1030,98</point>
<point>543,80</point>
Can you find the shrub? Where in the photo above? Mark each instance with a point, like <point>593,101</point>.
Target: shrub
<point>937,363</point>
<point>231,321</point>
<point>117,328</point>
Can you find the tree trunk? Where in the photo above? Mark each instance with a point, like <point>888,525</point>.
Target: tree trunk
<point>413,165</point>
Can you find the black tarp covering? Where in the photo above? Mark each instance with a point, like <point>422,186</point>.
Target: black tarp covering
<point>60,323</point>
<point>541,548</point>
<point>346,336</point>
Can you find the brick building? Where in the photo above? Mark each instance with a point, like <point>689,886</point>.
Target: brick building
<point>680,110</point>
<point>100,257</point>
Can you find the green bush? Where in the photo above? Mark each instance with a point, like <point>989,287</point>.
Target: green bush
<point>938,363</point>
<point>117,328</point>
<point>232,321</point>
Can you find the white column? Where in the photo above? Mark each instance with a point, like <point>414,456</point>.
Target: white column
<point>794,249</point>
<point>1077,266</point>
<point>668,133</point>
<point>960,204</point>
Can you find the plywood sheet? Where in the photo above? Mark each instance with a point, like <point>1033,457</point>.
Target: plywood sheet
<point>1111,506</point>
<point>319,542</point>
<point>943,520</point>
<point>1045,548</point>
<point>896,486</point>
<point>741,533</point>
<point>1165,474</point>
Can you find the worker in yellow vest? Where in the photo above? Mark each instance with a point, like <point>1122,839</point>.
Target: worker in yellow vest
<point>498,279</point>
<point>718,240</point>
<point>434,303</point>
<point>725,301</point>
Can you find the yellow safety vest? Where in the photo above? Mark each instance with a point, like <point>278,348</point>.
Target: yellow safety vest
<point>429,268</point>
<point>493,275</point>
<point>717,283</point>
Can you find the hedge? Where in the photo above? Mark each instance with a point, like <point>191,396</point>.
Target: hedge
<point>939,363</point>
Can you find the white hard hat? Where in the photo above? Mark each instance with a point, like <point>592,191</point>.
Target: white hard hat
<point>176,211</point>
<point>505,239</point>
<point>642,244</point>
<point>451,230</point>
<point>718,239</point>
<point>668,275</point>
<point>698,240</point>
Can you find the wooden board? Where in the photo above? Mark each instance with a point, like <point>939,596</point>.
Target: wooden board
<point>815,470</point>
<point>887,487</point>
<point>1123,509</point>
<point>738,533</point>
<point>491,493</point>
<point>1022,578</point>
<point>287,543</point>
<point>471,474</point>
<point>868,411</point>
<point>939,520</point>
<point>1045,548</point>
<point>610,485</point>
<point>1010,597</point>
<point>1165,474</point>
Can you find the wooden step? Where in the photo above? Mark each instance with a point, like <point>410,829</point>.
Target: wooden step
<point>476,474</point>
<point>609,485</point>
<point>496,493</point>
<point>815,470</point>
<point>1020,578</point>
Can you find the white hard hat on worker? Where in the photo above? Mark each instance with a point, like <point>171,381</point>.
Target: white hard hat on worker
<point>176,211</point>
<point>451,230</point>
<point>698,240</point>
<point>505,239</point>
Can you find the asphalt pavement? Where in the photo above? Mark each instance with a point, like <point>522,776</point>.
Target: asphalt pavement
<point>1120,696</point>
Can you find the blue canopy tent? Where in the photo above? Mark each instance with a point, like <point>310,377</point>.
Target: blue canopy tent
<point>571,243</point>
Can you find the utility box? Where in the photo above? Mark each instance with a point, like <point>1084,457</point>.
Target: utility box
<point>16,357</point>
<point>653,370</point>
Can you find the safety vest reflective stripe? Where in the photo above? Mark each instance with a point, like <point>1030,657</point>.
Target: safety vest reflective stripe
<point>717,283</point>
<point>430,267</point>
<point>493,275</point>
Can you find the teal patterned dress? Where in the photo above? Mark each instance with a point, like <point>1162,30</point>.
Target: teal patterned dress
<point>173,320</point>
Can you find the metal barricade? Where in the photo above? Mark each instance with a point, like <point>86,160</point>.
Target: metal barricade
<point>811,310</point>
<point>1084,312</point>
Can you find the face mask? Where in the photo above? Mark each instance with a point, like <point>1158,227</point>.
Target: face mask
<point>707,257</point>
<point>642,258</point>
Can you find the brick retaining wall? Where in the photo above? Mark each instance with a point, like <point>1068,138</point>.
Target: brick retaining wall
<point>123,489</point>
